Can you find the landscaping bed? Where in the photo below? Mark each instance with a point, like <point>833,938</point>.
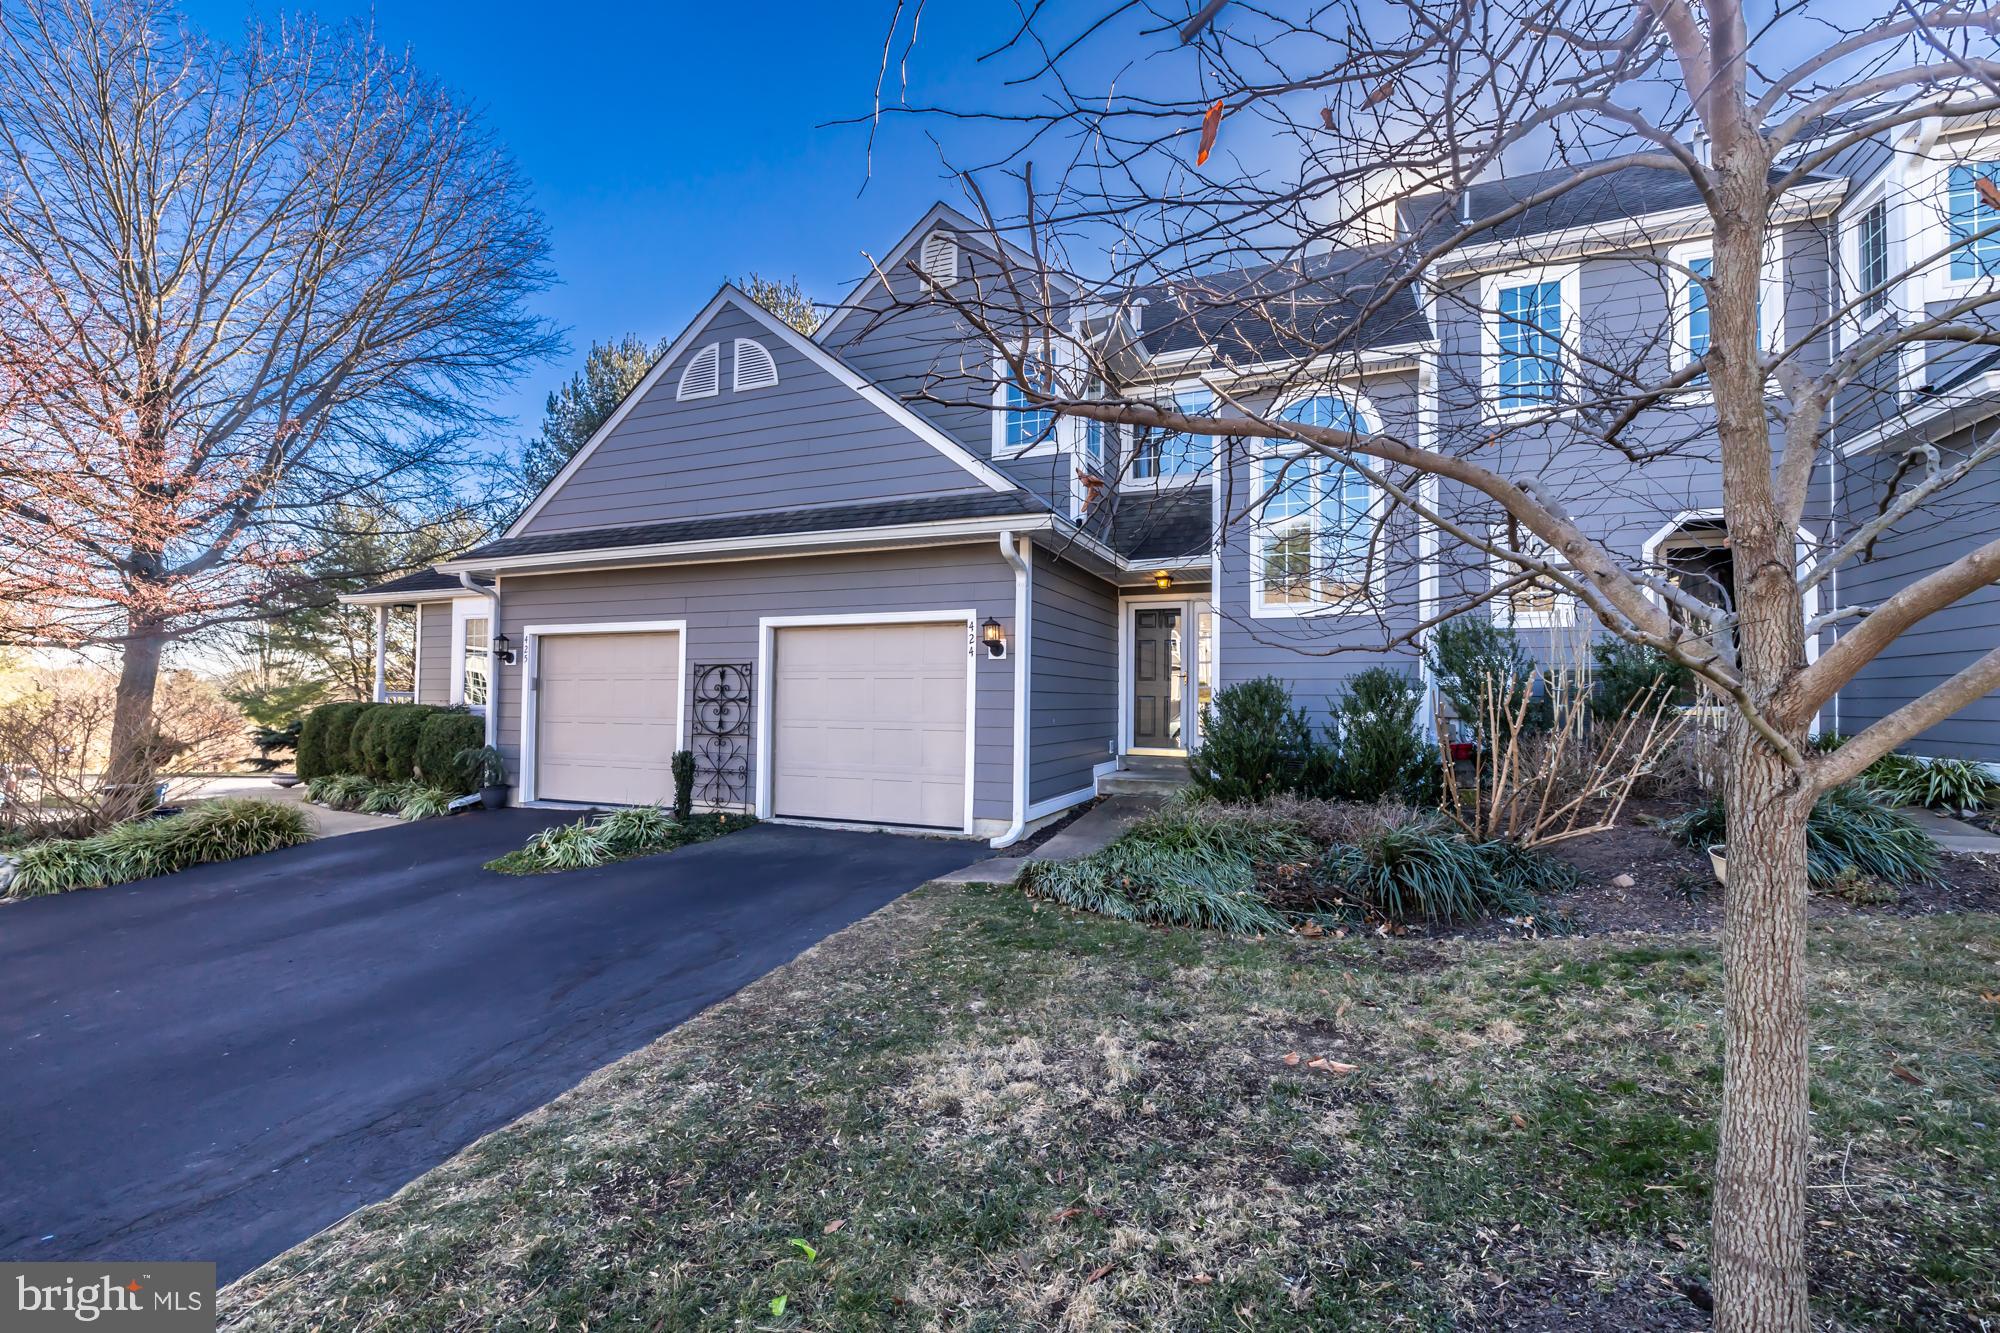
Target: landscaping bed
<point>980,1111</point>
<point>148,846</point>
<point>596,840</point>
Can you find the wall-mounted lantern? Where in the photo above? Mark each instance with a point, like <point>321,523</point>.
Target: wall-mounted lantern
<point>994,637</point>
<point>503,649</point>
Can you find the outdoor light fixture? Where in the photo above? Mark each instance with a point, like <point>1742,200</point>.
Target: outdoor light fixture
<point>1162,580</point>
<point>503,648</point>
<point>994,637</point>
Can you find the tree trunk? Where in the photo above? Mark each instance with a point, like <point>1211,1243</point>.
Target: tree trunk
<point>1759,1258</point>
<point>134,760</point>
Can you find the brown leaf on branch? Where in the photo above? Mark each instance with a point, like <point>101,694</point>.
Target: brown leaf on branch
<point>1988,192</point>
<point>1211,121</point>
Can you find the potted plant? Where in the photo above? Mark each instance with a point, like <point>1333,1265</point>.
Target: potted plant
<point>489,770</point>
<point>1718,861</point>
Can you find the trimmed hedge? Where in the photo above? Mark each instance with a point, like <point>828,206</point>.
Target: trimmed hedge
<point>446,733</point>
<point>333,726</point>
<point>396,739</point>
<point>362,756</point>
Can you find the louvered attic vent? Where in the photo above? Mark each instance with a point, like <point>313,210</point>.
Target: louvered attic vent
<point>754,367</point>
<point>703,376</point>
<point>939,258</point>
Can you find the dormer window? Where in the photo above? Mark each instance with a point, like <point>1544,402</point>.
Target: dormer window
<point>702,378</point>
<point>754,366</point>
<point>938,257</point>
<point>1023,423</point>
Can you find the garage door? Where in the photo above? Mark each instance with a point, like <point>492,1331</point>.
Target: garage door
<point>607,717</point>
<point>869,724</point>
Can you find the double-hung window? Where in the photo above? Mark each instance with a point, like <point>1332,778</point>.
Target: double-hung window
<point>474,670</point>
<point>1975,224</point>
<point>1162,455</point>
<point>1528,344</point>
<point>1871,258</point>
<point>1023,424</point>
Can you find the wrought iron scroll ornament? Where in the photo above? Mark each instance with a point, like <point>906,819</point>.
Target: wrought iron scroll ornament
<point>721,747</point>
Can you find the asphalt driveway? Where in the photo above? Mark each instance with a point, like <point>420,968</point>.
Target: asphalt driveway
<point>216,1064</point>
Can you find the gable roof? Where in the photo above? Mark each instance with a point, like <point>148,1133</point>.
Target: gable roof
<point>732,296</point>
<point>938,215</point>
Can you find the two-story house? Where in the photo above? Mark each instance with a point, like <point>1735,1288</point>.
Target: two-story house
<point>866,583</point>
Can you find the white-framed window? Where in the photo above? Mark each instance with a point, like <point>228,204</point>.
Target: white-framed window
<point>1316,523</point>
<point>1535,604</point>
<point>1164,457</point>
<point>1869,256</point>
<point>1689,269</point>
<point>702,376</point>
<point>1019,424</point>
<point>1972,224</point>
<point>471,653</point>
<point>752,366</point>
<point>1942,230</point>
<point>1528,333</point>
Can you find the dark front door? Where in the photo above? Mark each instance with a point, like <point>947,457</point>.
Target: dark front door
<point>1156,678</point>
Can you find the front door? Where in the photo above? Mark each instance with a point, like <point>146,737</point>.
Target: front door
<point>1157,673</point>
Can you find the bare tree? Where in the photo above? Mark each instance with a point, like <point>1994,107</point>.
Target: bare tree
<point>238,285</point>
<point>1260,188</point>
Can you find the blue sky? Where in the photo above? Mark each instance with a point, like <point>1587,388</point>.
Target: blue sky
<point>673,145</point>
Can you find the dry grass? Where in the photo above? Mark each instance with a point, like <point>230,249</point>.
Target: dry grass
<point>983,1114</point>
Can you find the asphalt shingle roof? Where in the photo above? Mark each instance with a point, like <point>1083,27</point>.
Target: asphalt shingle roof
<point>1271,311</point>
<point>1168,526</point>
<point>424,580</point>
<point>885,513</point>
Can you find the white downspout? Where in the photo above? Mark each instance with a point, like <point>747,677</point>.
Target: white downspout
<point>1016,553</point>
<point>492,595</point>
<point>381,692</point>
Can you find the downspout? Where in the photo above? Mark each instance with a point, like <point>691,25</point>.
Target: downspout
<point>492,595</point>
<point>1014,551</point>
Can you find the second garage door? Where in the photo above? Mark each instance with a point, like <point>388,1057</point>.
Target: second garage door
<point>607,717</point>
<point>870,724</point>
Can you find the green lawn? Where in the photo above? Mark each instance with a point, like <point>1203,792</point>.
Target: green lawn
<point>978,1114</point>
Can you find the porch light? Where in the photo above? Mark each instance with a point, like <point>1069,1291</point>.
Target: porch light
<point>1162,580</point>
<point>503,649</point>
<point>994,637</point>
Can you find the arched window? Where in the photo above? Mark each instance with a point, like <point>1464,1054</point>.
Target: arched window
<point>755,368</point>
<point>1317,537</point>
<point>703,376</point>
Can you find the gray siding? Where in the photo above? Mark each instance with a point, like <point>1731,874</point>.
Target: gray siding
<point>722,604</point>
<point>1942,645</point>
<point>434,652</point>
<point>808,441</point>
<point>1073,718</point>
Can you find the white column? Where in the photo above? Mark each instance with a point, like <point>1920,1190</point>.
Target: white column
<point>381,653</point>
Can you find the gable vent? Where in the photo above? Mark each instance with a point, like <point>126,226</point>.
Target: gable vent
<point>754,367</point>
<point>939,258</point>
<point>703,376</point>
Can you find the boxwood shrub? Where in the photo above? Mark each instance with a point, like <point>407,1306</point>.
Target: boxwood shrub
<point>326,737</point>
<point>446,733</point>
<point>364,752</point>
<point>398,736</point>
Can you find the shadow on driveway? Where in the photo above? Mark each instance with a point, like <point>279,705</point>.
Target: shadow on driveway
<point>216,1064</point>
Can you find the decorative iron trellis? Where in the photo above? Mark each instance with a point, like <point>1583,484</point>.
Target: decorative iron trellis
<point>722,735</point>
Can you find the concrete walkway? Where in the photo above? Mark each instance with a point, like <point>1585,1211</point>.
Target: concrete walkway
<point>1095,830</point>
<point>326,823</point>
<point>1954,835</point>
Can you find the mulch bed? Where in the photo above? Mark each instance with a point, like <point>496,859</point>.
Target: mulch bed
<point>1673,888</point>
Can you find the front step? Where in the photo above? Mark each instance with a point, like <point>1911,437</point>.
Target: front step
<point>1146,776</point>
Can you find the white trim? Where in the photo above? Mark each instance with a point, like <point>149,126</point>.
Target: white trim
<point>739,547</point>
<point>1050,805</point>
<point>381,685</point>
<point>531,684</point>
<point>1967,404</point>
<point>1259,451</point>
<point>1847,292</point>
<point>764,365</point>
<point>463,610</point>
<point>1803,547</point>
<point>1568,362</point>
<point>760,746</point>
<point>432,597</point>
<point>702,376</point>
<point>1617,235</point>
<point>791,337</point>
<point>1929,232</point>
